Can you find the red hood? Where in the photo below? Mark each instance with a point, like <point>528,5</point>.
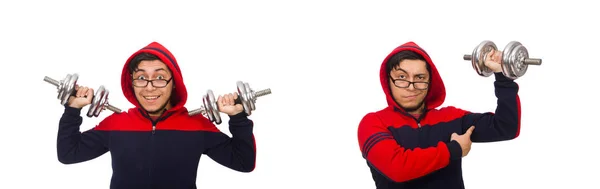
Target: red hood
<point>437,92</point>
<point>179,95</point>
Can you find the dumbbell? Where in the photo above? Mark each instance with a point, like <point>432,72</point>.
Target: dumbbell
<point>515,59</point>
<point>66,89</point>
<point>246,96</point>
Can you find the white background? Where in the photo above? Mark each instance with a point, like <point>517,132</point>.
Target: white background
<point>321,59</point>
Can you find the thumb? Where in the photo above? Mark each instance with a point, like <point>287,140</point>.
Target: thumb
<point>454,135</point>
<point>470,131</point>
<point>90,94</point>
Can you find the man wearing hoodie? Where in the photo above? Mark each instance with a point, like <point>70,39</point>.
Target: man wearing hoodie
<point>156,144</point>
<point>412,143</point>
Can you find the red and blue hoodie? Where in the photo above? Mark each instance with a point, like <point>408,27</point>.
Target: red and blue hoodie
<point>403,151</point>
<point>163,152</point>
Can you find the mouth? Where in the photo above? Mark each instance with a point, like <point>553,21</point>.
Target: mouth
<point>151,98</point>
<point>411,96</point>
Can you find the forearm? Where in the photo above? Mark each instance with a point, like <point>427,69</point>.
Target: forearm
<point>74,146</point>
<point>239,151</point>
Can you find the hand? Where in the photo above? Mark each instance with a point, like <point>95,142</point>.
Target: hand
<point>227,104</point>
<point>83,97</point>
<point>493,61</point>
<point>464,140</point>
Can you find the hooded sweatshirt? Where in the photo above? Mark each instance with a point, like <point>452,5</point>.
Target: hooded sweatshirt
<point>403,151</point>
<point>156,153</point>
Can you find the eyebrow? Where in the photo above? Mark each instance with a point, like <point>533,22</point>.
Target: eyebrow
<point>418,74</point>
<point>143,70</point>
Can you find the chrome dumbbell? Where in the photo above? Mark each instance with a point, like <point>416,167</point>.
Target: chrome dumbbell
<point>515,59</point>
<point>66,89</point>
<point>246,96</point>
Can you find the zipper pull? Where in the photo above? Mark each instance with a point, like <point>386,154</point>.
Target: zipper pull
<point>419,124</point>
<point>153,128</point>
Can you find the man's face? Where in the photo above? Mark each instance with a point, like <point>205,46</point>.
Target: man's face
<point>410,98</point>
<point>154,97</point>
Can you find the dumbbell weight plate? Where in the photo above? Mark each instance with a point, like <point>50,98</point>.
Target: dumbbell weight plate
<point>478,57</point>
<point>98,102</point>
<point>66,88</point>
<point>512,60</point>
<point>212,110</point>
<point>251,97</point>
<point>245,98</point>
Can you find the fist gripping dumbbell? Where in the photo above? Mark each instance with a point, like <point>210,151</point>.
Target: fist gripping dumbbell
<point>515,59</point>
<point>66,89</point>
<point>246,96</point>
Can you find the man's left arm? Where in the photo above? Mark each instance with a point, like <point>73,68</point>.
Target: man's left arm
<point>237,152</point>
<point>505,122</point>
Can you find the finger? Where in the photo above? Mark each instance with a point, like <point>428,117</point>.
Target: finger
<point>235,95</point>
<point>229,99</point>
<point>90,94</point>
<point>453,135</point>
<point>470,131</point>
<point>220,101</point>
<point>81,91</point>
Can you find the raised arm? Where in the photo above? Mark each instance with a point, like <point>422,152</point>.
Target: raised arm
<point>239,151</point>
<point>505,122</point>
<point>72,145</point>
<point>396,162</point>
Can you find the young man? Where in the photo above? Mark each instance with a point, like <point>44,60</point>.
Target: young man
<point>410,143</point>
<point>156,144</point>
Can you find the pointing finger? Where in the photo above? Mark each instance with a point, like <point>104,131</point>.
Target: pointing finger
<point>470,131</point>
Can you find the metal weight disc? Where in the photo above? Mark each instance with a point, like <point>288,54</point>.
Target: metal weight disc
<point>103,102</point>
<point>478,57</point>
<point>243,94</point>
<point>96,100</point>
<point>67,88</point>
<point>251,98</point>
<point>211,107</point>
<point>518,56</point>
<point>208,108</point>
<point>508,63</point>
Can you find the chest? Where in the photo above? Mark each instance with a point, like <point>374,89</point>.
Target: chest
<point>161,145</point>
<point>423,134</point>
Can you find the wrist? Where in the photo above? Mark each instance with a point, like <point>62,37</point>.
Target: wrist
<point>455,150</point>
<point>501,77</point>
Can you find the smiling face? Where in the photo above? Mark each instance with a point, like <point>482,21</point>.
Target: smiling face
<point>153,96</point>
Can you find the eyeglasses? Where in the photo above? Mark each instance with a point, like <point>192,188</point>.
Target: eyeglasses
<point>401,83</point>
<point>158,83</point>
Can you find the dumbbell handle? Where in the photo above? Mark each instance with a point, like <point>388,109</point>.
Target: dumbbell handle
<point>529,61</point>
<point>257,94</point>
<point>57,83</point>
<point>51,81</point>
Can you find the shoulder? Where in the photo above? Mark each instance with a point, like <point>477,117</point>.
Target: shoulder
<point>113,121</point>
<point>448,113</point>
<point>198,122</point>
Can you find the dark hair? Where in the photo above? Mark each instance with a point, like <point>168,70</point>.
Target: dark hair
<point>133,65</point>
<point>395,60</point>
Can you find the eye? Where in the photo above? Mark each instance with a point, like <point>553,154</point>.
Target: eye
<point>141,77</point>
<point>402,77</point>
<point>160,77</point>
<point>421,77</point>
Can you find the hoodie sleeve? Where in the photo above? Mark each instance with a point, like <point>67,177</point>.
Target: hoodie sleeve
<point>237,152</point>
<point>397,163</point>
<point>505,122</point>
<point>74,146</point>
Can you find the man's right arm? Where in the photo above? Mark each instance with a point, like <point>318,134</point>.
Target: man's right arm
<point>74,146</point>
<point>397,163</point>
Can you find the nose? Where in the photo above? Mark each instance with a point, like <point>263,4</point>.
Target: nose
<point>150,86</point>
